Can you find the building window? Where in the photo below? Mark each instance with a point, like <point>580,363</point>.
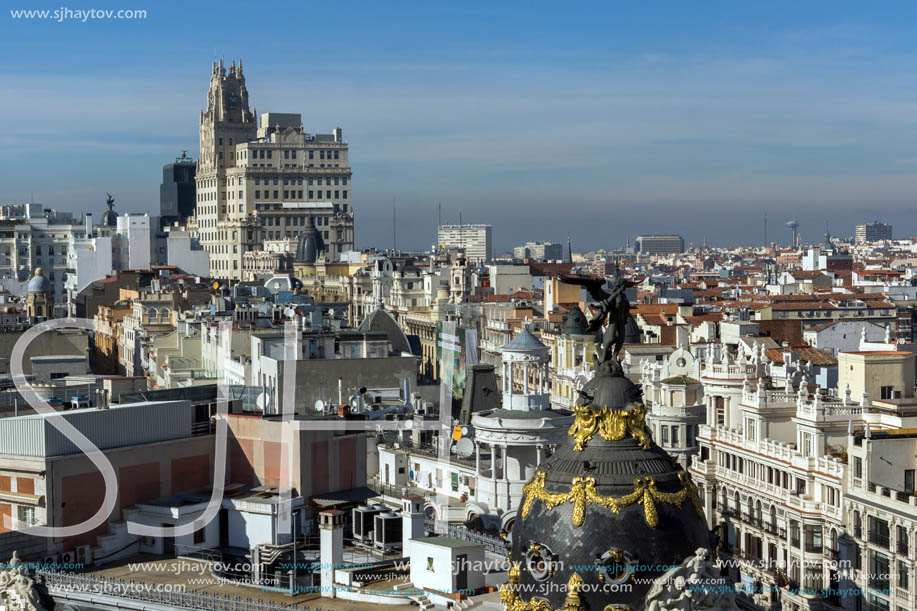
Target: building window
<point>878,569</point>
<point>901,540</point>
<point>857,467</point>
<point>813,539</point>
<point>675,436</point>
<point>887,392</point>
<point>903,578</point>
<point>27,515</point>
<point>878,532</point>
<point>665,436</point>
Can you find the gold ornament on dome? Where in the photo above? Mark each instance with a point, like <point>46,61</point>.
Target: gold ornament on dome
<point>583,492</point>
<point>610,424</point>
<point>509,595</point>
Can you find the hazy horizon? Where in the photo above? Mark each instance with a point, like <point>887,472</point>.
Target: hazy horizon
<point>601,121</point>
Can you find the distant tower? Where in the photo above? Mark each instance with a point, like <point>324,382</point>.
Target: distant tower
<point>794,227</point>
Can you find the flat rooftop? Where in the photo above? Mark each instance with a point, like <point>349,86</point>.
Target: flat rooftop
<point>195,576</point>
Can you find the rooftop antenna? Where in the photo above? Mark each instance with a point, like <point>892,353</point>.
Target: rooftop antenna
<point>394,226</point>
<point>765,229</point>
<point>569,249</point>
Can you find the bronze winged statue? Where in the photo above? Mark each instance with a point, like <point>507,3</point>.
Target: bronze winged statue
<point>611,311</point>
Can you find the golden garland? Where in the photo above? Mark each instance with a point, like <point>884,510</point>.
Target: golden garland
<point>583,492</point>
<point>610,424</point>
<point>509,595</point>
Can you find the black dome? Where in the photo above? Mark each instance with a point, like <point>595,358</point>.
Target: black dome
<point>575,322</point>
<point>310,244</point>
<point>608,507</point>
<point>109,218</point>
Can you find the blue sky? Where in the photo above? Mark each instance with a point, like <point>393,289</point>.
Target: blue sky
<point>602,120</point>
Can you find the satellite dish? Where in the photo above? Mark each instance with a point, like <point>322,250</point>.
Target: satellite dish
<point>320,406</point>
<point>463,447</point>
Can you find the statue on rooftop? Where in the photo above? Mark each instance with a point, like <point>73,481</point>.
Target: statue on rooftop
<point>611,311</point>
<point>17,589</point>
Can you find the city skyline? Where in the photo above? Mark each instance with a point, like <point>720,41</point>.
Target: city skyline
<point>698,129</point>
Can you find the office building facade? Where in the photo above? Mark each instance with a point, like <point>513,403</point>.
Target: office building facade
<point>267,181</point>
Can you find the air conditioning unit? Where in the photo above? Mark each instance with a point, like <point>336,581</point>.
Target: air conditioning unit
<point>50,562</point>
<point>84,554</point>
<point>68,557</point>
<point>148,541</point>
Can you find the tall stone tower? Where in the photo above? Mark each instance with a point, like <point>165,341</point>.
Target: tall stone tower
<point>264,186</point>
<point>226,123</point>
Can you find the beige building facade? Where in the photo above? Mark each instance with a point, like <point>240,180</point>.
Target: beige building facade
<point>268,181</point>
<point>881,374</point>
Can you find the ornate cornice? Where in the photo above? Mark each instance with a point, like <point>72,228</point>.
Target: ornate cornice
<point>583,492</point>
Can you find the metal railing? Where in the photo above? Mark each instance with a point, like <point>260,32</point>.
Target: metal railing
<point>491,544</point>
<point>64,583</point>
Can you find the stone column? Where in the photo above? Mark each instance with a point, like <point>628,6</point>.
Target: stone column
<point>525,378</point>
<point>538,456</point>
<point>493,461</point>
<point>412,524</point>
<point>331,554</point>
<point>708,505</point>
